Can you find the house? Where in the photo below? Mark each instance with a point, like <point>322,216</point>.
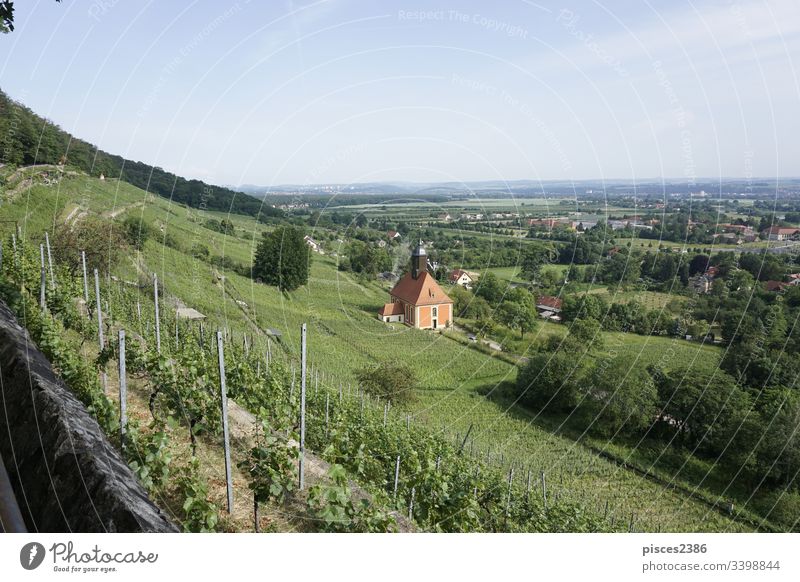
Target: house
<point>780,233</point>
<point>793,279</point>
<point>392,235</point>
<point>736,228</point>
<point>315,246</point>
<point>548,223</point>
<point>775,286</point>
<point>459,277</point>
<point>444,217</point>
<point>549,307</point>
<point>417,299</point>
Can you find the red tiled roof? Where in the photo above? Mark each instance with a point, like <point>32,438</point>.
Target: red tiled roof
<point>424,290</point>
<point>781,230</point>
<point>391,309</point>
<point>549,301</point>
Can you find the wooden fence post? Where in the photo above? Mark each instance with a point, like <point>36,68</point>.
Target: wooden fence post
<point>123,390</point>
<point>158,323</point>
<point>396,477</point>
<point>528,487</point>
<point>99,309</point>
<point>226,441</point>
<point>50,260</point>
<point>327,415</point>
<point>544,491</point>
<point>510,483</point>
<point>85,283</point>
<point>302,405</point>
<point>42,302</point>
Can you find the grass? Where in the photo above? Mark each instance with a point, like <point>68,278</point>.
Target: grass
<point>459,385</point>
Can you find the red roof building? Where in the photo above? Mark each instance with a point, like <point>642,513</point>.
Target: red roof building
<point>780,232</point>
<point>549,303</point>
<point>418,298</point>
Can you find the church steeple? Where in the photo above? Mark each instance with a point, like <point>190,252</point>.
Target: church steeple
<point>419,261</point>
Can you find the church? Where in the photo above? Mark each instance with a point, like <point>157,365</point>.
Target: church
<point>417,300</point>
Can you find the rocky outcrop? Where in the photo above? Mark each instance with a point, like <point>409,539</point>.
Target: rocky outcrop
<point>65,473</point>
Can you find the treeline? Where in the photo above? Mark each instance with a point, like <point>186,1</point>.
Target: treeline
<point>29,139</point>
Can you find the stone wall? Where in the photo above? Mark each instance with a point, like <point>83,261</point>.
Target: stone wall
<point>65,473</point>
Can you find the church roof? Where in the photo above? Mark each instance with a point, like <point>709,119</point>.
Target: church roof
<point>424,290</point>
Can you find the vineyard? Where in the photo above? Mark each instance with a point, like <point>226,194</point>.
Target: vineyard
<point>403,467</point>
<point>468,461</point>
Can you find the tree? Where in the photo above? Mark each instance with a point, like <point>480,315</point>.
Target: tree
<point>390,380</point>
<point>282,258</point>
<point>7,16</point>
<point>490,288</point>
<point>779,451</point>
<point>518,311</point>
<point>705,409</point>
<point>698,264</point>
<point>368,259</point>
<point>620,397</point>
<point>136,232</point>
<point>533,259</point>
<point>586,332</point>
<point>586,305</point>
<point>101,240</point>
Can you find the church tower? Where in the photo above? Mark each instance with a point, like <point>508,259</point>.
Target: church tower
<point>419,262</point>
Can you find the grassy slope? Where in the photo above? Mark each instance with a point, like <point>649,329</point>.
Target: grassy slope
<point>344,334</point>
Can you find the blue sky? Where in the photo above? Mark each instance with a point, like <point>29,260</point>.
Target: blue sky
<point>354,91</point>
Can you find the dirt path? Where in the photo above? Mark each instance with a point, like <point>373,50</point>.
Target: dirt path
<point>117,211</point>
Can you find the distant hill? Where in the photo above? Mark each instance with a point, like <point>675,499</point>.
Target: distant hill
<point>27,138</point>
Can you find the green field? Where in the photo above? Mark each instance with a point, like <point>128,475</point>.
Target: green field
<point>459,385</point>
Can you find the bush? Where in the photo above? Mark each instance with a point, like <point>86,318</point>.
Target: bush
<point>136,232</point>
<point>392,381</point>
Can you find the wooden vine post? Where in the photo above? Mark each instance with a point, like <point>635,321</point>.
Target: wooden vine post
<point>303,349</point>
<point>85,281</point>
<point>225,436</point>
<point>158,323</point>
<point>123,390</point>
<point>50,260</point>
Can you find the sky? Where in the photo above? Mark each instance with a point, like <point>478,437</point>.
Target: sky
<point>344,91</point>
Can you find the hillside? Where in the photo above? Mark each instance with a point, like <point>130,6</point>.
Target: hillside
<point>28,139</point>
<point>460,386</point>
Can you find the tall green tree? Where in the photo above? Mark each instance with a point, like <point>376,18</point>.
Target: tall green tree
<point>282,259</point>
<point>518,311</point>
